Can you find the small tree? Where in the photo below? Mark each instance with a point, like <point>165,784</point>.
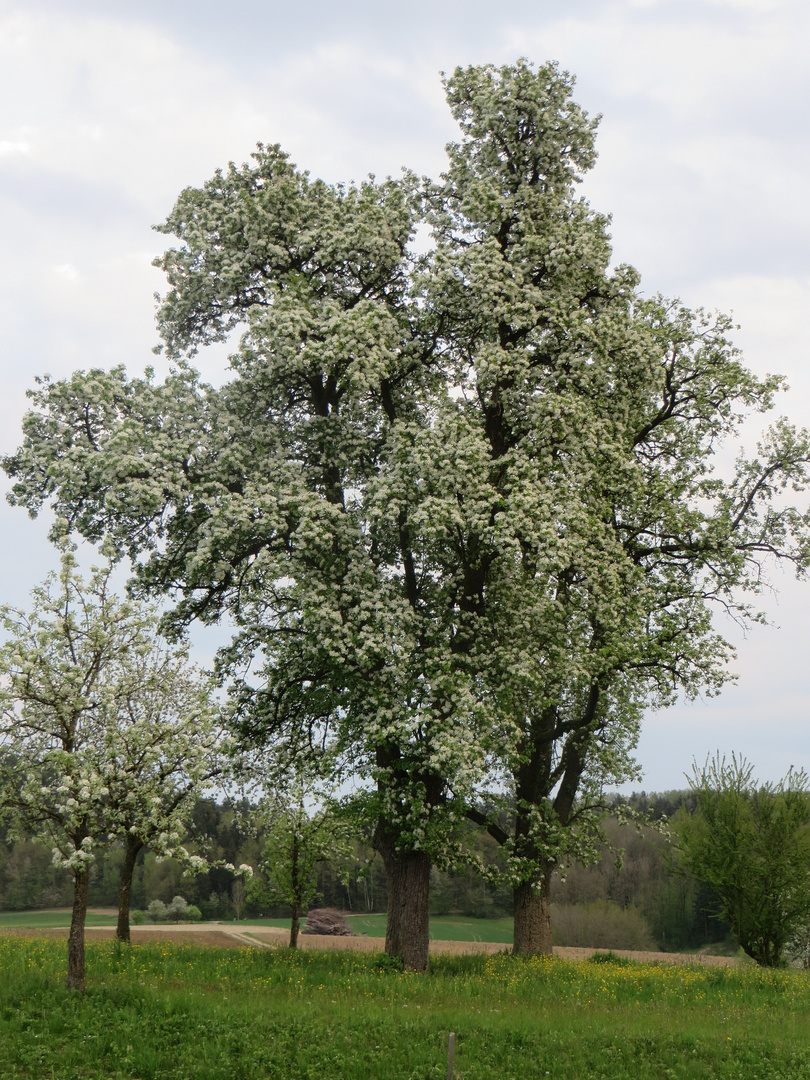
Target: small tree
<point>751,843</point>
<point>107,733</point>
<point>65,675</point>
<point>297,839</point>
<point>162,756</point>
<point>238,898</point>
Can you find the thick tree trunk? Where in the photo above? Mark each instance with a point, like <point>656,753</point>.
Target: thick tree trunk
<point>407,932</point>
<point>407,873</point>
<point>134,845</point>
<point>75,976</point>
<point>533,917</point>
<point>294,926</point>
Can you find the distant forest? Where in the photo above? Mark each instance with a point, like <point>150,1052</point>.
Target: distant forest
<point>642,903</point>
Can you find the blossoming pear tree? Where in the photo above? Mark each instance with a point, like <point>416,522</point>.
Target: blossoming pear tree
<point>609,533</point>
<point>104,733</point>
<point>461,504</point>
<point>167,749</point>
<point>62,666</point>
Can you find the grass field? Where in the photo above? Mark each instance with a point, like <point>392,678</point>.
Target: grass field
<point>443,928</point>
<point>169,1012</point>
<point>48,920</point>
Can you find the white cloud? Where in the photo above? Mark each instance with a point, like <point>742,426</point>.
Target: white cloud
<point>8,148</point>
<point>758,6</point>
<point>117,102</point>
<point>67,271</point>
<point>679,58</point>
<point>704,160</point>
<point>123,117</point>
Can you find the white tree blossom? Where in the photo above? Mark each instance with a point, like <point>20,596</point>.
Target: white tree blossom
<point>461,506</point>
<point>167,749</point>
<point>104,733</point>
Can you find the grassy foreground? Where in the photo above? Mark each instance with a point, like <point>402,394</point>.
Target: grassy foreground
<point>170,1012</point>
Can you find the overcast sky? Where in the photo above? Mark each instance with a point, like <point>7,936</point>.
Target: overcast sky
<point>111,108</point>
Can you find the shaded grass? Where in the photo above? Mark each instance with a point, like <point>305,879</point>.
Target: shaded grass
<point>167,1012</point>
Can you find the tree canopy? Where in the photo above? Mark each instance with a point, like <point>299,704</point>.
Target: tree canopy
<point>460,499</point>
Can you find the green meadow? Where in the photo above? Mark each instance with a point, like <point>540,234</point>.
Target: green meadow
<point>172,1012</point>
<point>50,920</point>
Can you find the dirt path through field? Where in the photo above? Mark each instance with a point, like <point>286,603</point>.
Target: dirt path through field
<point>218,935</point>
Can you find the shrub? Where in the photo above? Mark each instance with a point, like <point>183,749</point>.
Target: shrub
<point>158,912</point>
<point>137,918</point>
<point>750,842</point>
<point>798,947</point>
<point>385,963</point>
<point>177,909</point>
<point>609,958</point>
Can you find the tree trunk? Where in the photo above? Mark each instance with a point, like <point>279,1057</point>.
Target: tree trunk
<point>533,917</point>
<point>75,976</point>
<point>134,846</point>
<point>407,931</point>
<point>297,891</point>
<point>294,925</point>
<point>407,873</point>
